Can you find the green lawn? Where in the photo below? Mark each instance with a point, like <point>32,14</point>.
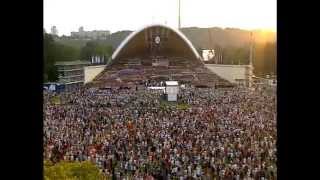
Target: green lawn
<point>175,105</point>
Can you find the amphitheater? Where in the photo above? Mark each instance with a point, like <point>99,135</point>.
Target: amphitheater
<point>156,53</point>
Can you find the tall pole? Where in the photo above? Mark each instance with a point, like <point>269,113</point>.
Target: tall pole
<point>251,48</point>
<point>179,21</point>
<point>251,60</point>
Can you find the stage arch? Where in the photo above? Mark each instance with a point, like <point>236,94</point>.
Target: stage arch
<point>169,41</point>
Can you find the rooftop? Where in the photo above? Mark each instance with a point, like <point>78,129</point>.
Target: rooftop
<point>172,83</point>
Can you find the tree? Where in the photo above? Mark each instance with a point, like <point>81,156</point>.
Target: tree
<point>242,55</point>
<point>270,57</point>
<point>265,58</point>
<point>95,48</point>
<point>66,53</point>
<point>235,55</point>
<point>54,52</point>
<point>72,171</point>
<point>218,54</point>
<point>50,73</point>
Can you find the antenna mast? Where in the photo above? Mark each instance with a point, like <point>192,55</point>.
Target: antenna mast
<point>251,48</point>
<point>251,61</point>
<point>210,41</point>
<point>179,21</point>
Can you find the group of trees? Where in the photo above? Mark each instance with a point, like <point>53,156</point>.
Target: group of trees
<point>264,54</point>
<point>94,48</point>
<point>55,51</point>
<point>49,57</point>
<point>264,57</point>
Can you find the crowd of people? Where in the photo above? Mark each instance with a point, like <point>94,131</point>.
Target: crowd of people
<point>224,134</point>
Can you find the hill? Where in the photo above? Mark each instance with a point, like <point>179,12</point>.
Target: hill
<point>76,43</point>
<point>200,37</point>
<point>113,39</point>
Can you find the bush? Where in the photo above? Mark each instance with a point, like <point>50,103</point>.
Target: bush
<point>72,171</point>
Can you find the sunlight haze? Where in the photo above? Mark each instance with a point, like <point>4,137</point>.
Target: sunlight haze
<point>69,15</point>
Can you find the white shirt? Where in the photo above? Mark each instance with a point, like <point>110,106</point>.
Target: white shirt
<point>198,170</point>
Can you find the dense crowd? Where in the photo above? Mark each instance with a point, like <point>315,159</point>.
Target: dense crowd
<point>129,133</point>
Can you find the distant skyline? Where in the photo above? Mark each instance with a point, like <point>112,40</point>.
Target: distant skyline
<point>69,15</point>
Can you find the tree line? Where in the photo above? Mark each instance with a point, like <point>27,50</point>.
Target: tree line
<point>264,57</point>
<point>55,51</point>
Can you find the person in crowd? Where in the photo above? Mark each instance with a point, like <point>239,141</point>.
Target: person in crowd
<point>128,133</point>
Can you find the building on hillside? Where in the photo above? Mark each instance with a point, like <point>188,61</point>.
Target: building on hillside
<point>95,34</point>
<point>81,29</point>
<point>71,73</point>
<point>54,30</point>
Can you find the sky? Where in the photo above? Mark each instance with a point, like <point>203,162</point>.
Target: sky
<point>118,15</point>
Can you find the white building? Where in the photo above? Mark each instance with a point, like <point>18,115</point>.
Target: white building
<point>54,30</point>
<point>96,34</point>
<point>71,73</point>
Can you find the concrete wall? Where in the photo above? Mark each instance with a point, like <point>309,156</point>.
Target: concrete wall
<point>231,72</point>
<point>90,72</point>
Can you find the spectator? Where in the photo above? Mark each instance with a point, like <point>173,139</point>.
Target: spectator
<point>129,133</point>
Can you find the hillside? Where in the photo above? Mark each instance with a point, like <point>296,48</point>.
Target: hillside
<point>200,37</point>
<point>114,40</point>
<point>76,43</point>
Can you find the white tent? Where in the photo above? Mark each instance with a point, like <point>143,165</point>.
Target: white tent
<point>172,90</point>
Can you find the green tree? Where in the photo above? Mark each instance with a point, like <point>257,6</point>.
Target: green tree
<point>270,58</point>
<point>265,58</point>
<point>49,58</point>
<point>72,171</point>
<point>242,55</point>
<point>95,48</point>
<point>54,52</point>
<point>235,55</point>
<point>218,53</point>
<point>228,55</point>
<point>66,53</point>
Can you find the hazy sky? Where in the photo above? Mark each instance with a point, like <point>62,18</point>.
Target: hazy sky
<point>115,15</point>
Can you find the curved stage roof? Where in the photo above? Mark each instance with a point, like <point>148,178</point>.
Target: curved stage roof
<point>155,52</point>
<point>173,42</point>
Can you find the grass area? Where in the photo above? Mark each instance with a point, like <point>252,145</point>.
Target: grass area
<point>183,106</point>
<point>164,104</point>
<point>56,100</point>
